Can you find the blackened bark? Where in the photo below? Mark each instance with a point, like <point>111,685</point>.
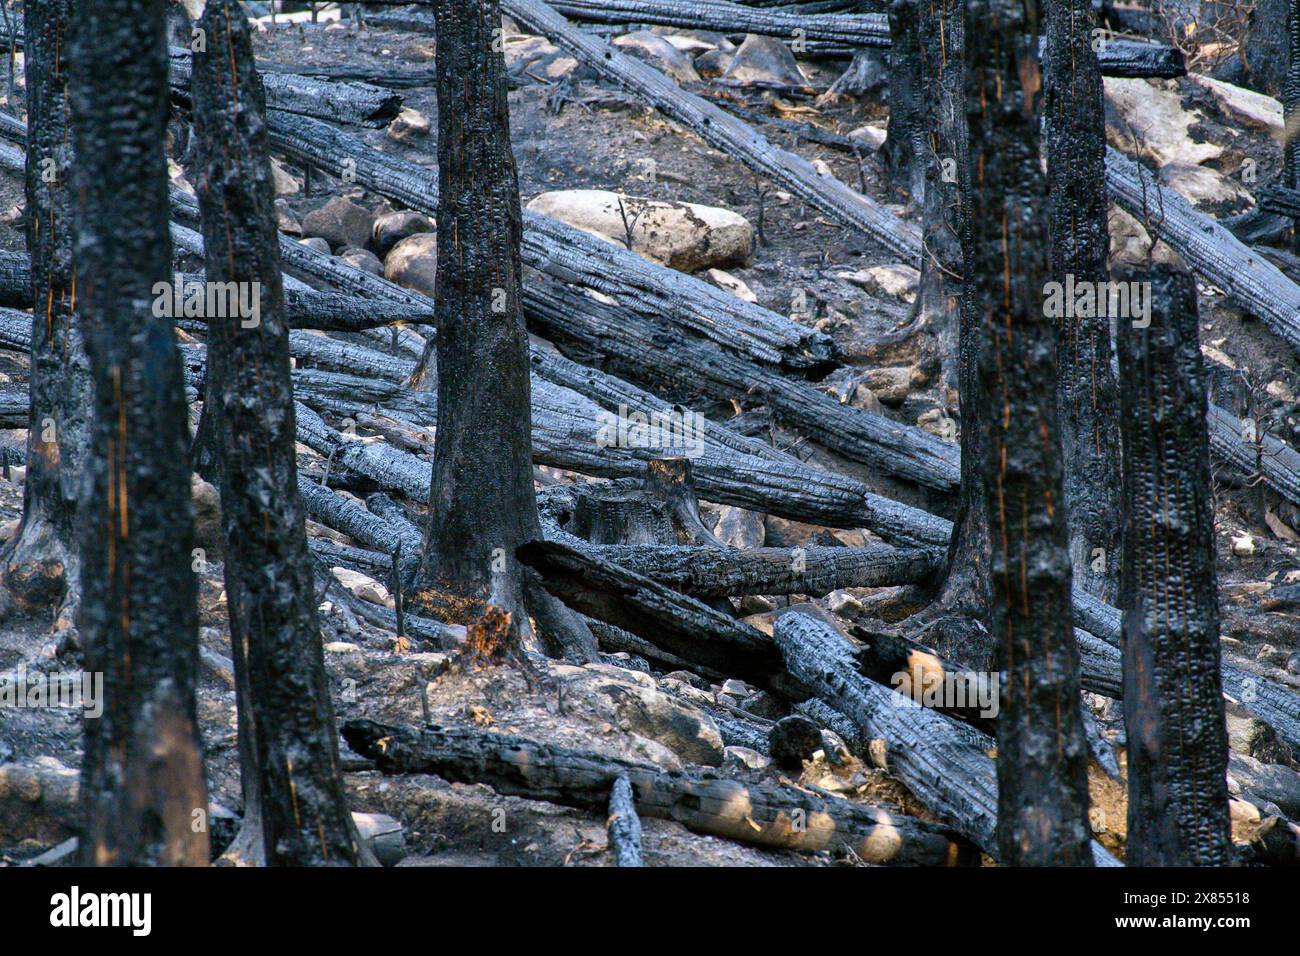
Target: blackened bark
<point>1042,754</point>
<point>41,564</point>
<point>955,622</point>
<point>1086,389</point>
<point>1265,49</point>
<point>1291,107</point>
<point>1173,693</point>
<point>906,141</point>
<point>482,505</point>
<point>142,775</point>
<point>288,745</point>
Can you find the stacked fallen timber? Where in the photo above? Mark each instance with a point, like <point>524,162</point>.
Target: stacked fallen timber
<point>819,31</point>
<point>556,248</point>
<point>1208,248</point>
<point>678,624</point>
<point>620,586</point>
<point>567,434</point>
<point>782,817</point>
<point>926,750</point>
<point>1276,705</point>
<point>894,448</point>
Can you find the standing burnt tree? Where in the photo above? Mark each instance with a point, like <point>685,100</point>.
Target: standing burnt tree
<point>1042,756</point>
<point>1173,696</point>
<point>1291,108</point>
<point>904,147</point>
<point>142,782</point>
<point>955,623</point>
<point>482,506</point>
<point>1086,388</point>
<point>288,745</point>
<point>41,564</point>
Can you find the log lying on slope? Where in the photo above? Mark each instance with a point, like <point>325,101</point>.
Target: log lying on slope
<point>1208,248</point>
<point>624,826</point>
<point>703,571</point>
<point>565,436</point>
<point>764,815</point>
<point>896,449</point>
<point>552,246</point>
<point>841,30</point>
<point>14,405</point>
<point>721,130</point>
<point>651,295</point>
<point>1277,462</point>
<point>679,624</point>
<point>1271,702</point>
<point>15,280</point>
<point>359,104</point>
<point>927,751</point>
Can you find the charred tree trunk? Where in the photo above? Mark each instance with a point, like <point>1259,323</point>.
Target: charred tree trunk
<point>288,744</point>
<point>905,144</point>
<point>1265,49</point>
<point>482,505</point>
<point>955,623</point>
<point>1042,754</point>
<point>42,563</point>
<point>1086,389</point>
<point>1173,693</point>
<point>1290,108</point>
<point>944,162</point>
<point>142,775</point>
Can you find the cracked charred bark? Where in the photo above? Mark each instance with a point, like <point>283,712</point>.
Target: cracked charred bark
<point>142,775</point>
<point>482,505</point>
<point>1290,104</point>
<point>1173,693</point>
<point>293,791</point>
<point>905,145</point>
<point>41,564</point>
<point>955,621</point>
<point>1086,391</point>
<point>1042,753</point>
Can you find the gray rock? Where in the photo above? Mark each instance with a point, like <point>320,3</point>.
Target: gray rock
<point>764,61</point>
<point>341,223</point>
<point>285,220</point>
<point>413,263</point>
<point>742,758</point>
<point>362,259</point>
<point>392,227</point>
<point>1272,782</point>
<point>317,243</point>
<point>738,528</point>
<point>659,53</point>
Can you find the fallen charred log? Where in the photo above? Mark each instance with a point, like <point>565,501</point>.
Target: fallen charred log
<point>359,104</point>
<point>679,624</point>
<point>931,754</point>
<point>1208,248</point>
<point>764,815</point>
<point>624,826</point>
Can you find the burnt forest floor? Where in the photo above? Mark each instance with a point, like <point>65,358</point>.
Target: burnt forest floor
<point>601,139</point>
